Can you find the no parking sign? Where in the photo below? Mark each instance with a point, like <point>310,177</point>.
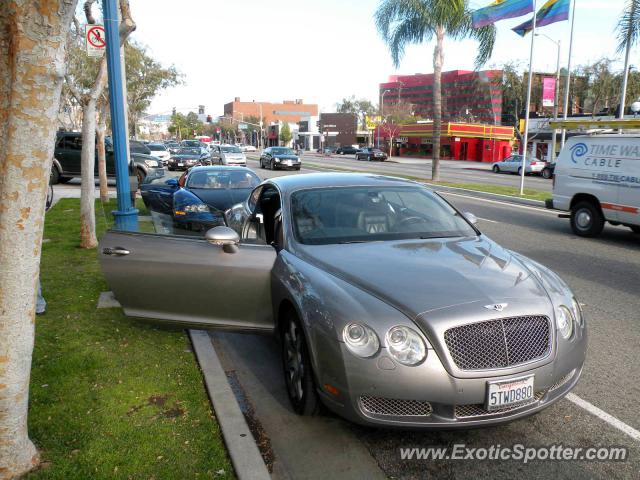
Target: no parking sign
<point>95,39</point>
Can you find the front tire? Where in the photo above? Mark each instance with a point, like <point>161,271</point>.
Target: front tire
<point>496,169</point>
<point>520,171</point>
<point>54,177</point>
<point>141,176</point>
<point>272,165</point>
<point>298,372</point>
<point>546,173</point>
<point>587,219</point>
<point>261,164</point>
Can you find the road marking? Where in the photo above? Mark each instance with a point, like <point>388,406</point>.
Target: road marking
<point>601,414</point>
<point>487,220</point>
<point>507,204</point>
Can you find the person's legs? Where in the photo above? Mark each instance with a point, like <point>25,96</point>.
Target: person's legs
<point>41,303</point>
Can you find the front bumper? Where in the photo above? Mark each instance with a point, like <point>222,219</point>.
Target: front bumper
<point>379,392</point>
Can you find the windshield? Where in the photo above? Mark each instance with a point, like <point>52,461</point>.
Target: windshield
<point>282,151</point>
<point>191,143</point>
<point>366,214</point>
<point>189,151</point>
<point>223,179</point>
<point>232,149</point>
<point>156,148</point>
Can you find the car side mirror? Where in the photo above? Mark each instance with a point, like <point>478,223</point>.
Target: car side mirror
<point>172,182</point>
<point>471,218</point>
<point>225,237</point>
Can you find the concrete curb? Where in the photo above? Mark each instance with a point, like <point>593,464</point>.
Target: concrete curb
<point>245,456</point>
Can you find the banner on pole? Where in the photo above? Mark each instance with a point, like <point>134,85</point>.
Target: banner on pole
<point>548,91</point>
<point>95,40</point>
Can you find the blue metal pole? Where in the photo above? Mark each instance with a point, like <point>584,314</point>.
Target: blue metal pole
<point>126,217</point>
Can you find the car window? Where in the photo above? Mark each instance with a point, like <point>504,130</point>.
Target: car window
<point>189,151</point>
<point>364,214</point>
<point>233,149</point>
<point>222,179</point>
<point>282,151</point>
<point>157,148</point>
<point>71,143</point>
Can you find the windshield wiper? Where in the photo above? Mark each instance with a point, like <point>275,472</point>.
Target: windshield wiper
<point>354,241</point>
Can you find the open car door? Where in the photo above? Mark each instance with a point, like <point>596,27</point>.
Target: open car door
<point>188,281</point>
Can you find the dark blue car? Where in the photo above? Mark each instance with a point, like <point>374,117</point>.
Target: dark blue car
<point>197,201</point>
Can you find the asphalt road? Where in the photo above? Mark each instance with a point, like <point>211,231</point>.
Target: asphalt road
<point>604,274</point>
<point>450,171</point>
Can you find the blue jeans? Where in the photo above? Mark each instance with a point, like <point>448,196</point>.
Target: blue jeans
<point>41,303</point>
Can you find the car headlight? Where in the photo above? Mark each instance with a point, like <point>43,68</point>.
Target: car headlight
<point>564,320</point>
<point>277,159</point>
<point>151,163</point>
<point>406,346</point>
<point>576,309</point>
<point>361,340</point>
<point>197,208</point>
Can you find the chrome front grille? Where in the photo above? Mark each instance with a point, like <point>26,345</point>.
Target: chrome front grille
<point>499,343</point>
<point>394,407</point>
<point>478,410</point>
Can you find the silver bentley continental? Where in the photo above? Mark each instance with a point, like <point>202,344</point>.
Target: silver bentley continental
<point>391,307</point>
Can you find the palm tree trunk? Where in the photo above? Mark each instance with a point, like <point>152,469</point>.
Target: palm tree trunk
<point>438,60</point>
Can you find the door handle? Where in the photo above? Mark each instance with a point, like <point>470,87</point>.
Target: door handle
<point>117,251</point>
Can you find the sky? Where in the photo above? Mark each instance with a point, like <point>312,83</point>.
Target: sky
<point>324,50</point>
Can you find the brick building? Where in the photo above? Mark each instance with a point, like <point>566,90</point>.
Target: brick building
<point>290,111</point>
<point>339,129</point>
<point>473,97</point>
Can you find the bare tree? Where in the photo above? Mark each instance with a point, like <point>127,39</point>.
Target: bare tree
<point>33,37</point>
<point>88,100</point>
<point>101,130</point>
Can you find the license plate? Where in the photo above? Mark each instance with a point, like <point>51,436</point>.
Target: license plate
<point>509,393</point>
<point>288,163</point>
<point>181,164</point>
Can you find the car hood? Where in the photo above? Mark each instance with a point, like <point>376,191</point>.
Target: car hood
<point>186,157</point>
<point>221,199</point>
<point>420,276</point>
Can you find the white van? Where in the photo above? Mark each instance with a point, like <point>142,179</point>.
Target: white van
<point>597,179</point>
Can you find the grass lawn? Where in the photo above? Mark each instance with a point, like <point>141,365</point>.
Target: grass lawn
<point>110,397</point>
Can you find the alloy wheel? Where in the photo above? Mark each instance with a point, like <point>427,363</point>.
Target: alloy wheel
<point>294,362</point>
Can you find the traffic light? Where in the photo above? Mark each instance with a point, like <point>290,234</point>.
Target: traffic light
<point>209,119</point>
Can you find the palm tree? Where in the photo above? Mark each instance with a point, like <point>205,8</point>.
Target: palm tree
<point>628,35</point>
<point>405,22</point>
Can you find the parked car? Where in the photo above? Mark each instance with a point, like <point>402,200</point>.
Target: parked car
<point>328,150</point>
<point>172,146</point>
<point>188,157</point>
<point>228,155</point>
<point>513,164</point>
<point>139,147</point>
<point>67,161</point>
<point>371,154</point>
<point>348,150</point>
<point>597,180</point>
<point>197,201</point>
<point>391,307</point>
<point>549,170</point>
<point>160,151</point>
<point>192,144</point>
<point>275,158</point>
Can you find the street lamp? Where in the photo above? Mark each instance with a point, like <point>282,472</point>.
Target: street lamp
<point>557,91</point>
<point>381,112</point>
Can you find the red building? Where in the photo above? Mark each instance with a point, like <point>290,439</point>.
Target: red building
<point>473,97</point>
<point>459,141</point>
